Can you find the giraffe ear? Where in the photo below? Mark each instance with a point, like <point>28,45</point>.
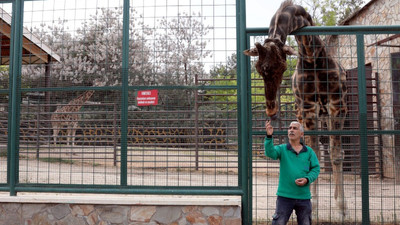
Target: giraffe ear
<point>251,52</point>
<point>289,50</point>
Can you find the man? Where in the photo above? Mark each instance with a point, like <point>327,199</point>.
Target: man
<point>299,167</point>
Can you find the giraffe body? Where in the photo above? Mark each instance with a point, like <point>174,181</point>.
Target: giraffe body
<point>318,84</point>
<point>67,116</point>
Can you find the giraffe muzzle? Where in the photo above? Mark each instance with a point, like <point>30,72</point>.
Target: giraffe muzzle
<point>272,114</point>
<point>274,117</point>
<point>271,110</point>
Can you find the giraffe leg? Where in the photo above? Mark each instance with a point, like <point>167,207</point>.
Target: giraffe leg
<point>312,141</point>
<point>69,133</point>
<point>306,115</point>
<point>73,132</point>
<point>56,130</point>
<point>337,157</point>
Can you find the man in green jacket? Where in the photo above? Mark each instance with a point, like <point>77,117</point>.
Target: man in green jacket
<point>299,167</point>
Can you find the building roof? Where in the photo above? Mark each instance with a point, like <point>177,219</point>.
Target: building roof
<point>34,51</point>
<point>380,42</point>
<point>356,13</point>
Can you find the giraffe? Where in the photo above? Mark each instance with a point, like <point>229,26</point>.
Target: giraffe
<point>318,84</point>
<point>67,116</point>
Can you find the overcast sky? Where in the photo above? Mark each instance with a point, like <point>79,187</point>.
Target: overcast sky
<point>260,12</point>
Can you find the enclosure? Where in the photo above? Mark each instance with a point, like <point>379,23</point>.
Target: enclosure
<point>156,97</point>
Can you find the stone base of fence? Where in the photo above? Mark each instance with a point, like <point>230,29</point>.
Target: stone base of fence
<point>83,209</point>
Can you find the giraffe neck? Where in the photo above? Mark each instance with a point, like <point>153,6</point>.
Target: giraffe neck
<point>81,99</point>
<point>76,104</point>
<point>287,19</point>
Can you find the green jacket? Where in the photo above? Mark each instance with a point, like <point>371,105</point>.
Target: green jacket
<point>293,166</point>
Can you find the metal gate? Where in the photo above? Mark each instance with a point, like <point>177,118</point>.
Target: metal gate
<point>367,138</point>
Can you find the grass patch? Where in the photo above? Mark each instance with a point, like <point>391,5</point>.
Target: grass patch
<point>56,160</point>
<point>3,153</point>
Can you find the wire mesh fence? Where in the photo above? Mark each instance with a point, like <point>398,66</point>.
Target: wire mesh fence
<point>383,172</point>
<point>71,134</point>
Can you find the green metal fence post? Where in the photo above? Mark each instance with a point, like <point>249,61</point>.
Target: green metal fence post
<point>15,92</point>
<point>244,109</point>
<point>124,105</point>
<point>362,99</point>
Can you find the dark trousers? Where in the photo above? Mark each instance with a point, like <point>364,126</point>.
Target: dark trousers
<point>285,207</point>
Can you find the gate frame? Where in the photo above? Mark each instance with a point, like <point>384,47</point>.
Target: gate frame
<point>359,31</point>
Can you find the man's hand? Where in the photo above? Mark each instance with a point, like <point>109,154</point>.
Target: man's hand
<point>301,181</point>
<point>268,127</point>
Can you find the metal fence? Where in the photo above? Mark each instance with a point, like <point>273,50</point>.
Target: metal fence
<point>70,120</point>
<point>371,179</point>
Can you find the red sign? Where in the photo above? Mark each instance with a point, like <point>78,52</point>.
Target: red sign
<point>147,97</point>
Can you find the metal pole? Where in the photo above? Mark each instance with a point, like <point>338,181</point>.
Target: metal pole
<point>47,96</point>
<point>115,133</point>
<point>196,130</point>
<point>362,99</point>
<point>380,151</point>
<point>15,92</point>
<point>124,103</point>
<point>38,130</point>
<point>244,115</point>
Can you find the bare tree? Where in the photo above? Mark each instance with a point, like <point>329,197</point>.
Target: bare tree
<point>94,51</point>
<point>180,47</point>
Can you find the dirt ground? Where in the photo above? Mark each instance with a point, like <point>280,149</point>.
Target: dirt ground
<point>150,169</point>
<point>384,200</point>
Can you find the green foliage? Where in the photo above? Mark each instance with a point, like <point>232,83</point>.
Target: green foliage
<point>3,152</point>
<point>226,78</point>
<point>330,12</point>
<point>329,18</point>
<point>4,83</point>
<point>223,95</point>
<point>4,77</point>
<point>228,69</point>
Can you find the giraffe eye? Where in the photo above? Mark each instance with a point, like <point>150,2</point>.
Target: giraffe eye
<point>266,66</point>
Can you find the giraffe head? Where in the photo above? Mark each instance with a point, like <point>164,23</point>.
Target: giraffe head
<point>271,65</point>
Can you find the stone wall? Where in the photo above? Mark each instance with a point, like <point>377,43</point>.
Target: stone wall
<point>124,210</point>
<point>376,12</point>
